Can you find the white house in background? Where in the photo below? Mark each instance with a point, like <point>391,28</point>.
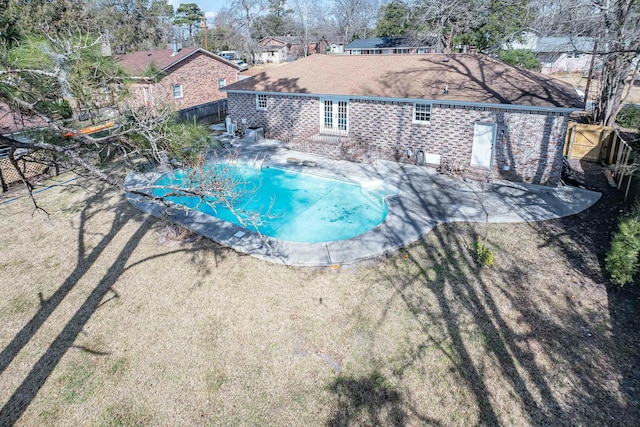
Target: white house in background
<point>336,48</point>
<point>563,54</point>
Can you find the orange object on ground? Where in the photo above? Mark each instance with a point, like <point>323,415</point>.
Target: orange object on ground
<point>89,130</point>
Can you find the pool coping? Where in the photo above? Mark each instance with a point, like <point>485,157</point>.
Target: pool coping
<point>426,199</point>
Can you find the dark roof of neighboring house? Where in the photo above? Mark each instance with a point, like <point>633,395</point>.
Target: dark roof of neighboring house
<point>469,78</point>
<point>137,63</point>
<point>384,42</point>
<point>564,44</point>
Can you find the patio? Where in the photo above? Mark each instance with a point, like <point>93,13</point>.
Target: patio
<point>426,199</point>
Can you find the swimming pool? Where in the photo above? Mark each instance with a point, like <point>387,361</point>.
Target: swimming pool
<point>291,206</point>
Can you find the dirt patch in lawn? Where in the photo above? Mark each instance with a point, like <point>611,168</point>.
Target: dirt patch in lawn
<point>102,325</point>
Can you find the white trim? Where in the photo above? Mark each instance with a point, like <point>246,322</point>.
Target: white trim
<point>205,52</point>
<point>174,91</point>
<point>258,107</point>
<point>419,100</point>
<point>420,122</point>
<point>335,128</point>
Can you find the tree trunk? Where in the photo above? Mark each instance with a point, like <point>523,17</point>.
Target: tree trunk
<point>615,70</point>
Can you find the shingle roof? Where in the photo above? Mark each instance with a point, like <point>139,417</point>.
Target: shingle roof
<point>137,63</point>
<point>383,42</point>
<point>469,78</point>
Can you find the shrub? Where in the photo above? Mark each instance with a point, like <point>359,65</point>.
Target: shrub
<point>523,58</point>
<point>629,116</point>
<point>622,260</point>
<point>484,255</point>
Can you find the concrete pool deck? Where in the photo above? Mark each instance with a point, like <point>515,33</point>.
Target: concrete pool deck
<point>426,199</point>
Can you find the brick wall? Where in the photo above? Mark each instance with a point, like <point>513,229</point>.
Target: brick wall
<point>198,76</point>
<point>286,117</point>
<point>528,144</point>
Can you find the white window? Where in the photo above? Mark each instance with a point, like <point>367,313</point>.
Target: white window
<point>421,113</point>
<point>261,102</point>
<point>422,50</point>
<point>177,91</point>
<point>221,83</point>
<point>356,52</point>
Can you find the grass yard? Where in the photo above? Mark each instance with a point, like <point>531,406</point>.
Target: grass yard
<point>578,80</point>
<point>101,325</point>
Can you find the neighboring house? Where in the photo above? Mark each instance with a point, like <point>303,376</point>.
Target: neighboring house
<point>336,48</point>
<point>467,113</point>
<point>286,49</point>
<point>181,77</point>
<point>388,46</point>
<point>566,54</point>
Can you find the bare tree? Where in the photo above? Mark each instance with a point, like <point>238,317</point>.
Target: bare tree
<point>354,18</point>
<point>240,17</point>
<point>305,13</point>
<point>615,26</point>
<point>446,20</point>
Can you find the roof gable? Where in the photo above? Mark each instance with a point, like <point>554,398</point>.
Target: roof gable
<point>137,63</point>
<point>279,40</point>
<point>468,78</point>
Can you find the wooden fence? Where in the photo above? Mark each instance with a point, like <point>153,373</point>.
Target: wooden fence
<point>588,142</point>
<point>603,144</point>
<point>621,163</point>
<point>211,112</point>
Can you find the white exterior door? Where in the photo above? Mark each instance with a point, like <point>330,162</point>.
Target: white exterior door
<point>334,116</point>
<point>484,136</point>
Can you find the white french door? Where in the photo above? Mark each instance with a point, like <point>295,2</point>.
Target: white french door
<point>334,116</point>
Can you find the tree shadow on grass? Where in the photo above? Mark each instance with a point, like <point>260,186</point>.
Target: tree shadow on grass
<point>367,400</point>
<point>94,205</point>
<point>584,239</point>
<point>536,343</point>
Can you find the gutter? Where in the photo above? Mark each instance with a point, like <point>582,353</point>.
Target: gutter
<point>565,110</point>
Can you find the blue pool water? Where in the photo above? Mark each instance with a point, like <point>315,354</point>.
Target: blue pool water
<point>292,206</point>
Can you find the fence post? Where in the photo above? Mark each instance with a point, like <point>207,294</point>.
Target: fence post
<point>4,184</point>
<point>624,164</point>
<point>612,150</point>
<point>626,193</point>
<point>572,138</point>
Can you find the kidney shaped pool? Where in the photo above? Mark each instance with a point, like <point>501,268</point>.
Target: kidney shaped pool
<point>290,205</point>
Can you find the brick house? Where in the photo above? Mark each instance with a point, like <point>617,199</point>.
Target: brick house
<point>471,113</point>
<point>187,77</point>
